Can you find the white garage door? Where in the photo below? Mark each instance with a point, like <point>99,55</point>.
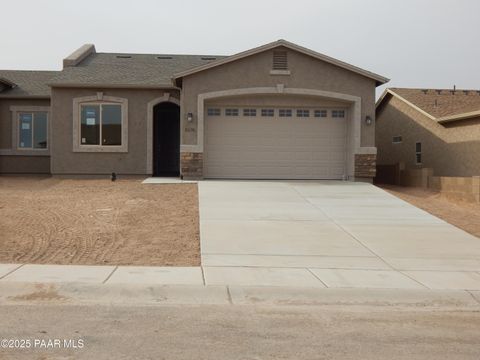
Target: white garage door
<point>274,143</point>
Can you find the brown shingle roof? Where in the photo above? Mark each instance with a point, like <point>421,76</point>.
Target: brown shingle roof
<point>27,83</point>
<point>132,70</point>
<point>441,102</point>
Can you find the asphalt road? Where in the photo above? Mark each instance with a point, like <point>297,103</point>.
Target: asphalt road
<point>242,332</point>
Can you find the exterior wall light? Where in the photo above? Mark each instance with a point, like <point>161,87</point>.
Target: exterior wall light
<point>368,120</point>
<point>190,117</point>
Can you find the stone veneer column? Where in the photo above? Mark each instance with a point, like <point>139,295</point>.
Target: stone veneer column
<point>191,165</point>
<point>365,165</point>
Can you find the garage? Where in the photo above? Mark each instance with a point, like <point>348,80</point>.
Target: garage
<point>275,142</point>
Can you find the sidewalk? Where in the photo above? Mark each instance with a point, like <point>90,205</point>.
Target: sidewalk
<point>243,276</point>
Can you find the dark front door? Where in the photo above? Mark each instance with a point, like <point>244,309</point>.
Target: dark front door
<point>166,139</point>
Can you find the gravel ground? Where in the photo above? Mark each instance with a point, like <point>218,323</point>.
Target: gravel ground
<point>462,214</point>
<point>92,222</point>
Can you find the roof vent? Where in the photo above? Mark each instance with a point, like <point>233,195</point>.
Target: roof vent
<point>280,61</point>
<point>425,91</point>
<point>439,92</point>
<point>164,57</point>
<point>124,56</point>
<point>466,92</point>
<point>209,58</point>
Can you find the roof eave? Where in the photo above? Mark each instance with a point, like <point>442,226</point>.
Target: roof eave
<point>112,86</point>
<point>40,97</point>
<point>379,80</point>
<point>463,116</point>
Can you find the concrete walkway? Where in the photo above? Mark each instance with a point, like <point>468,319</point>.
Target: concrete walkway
<point>242,276</point>
<point>330,234</point>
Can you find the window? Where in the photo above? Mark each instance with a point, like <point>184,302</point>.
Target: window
<point>101,124</point>
<point>338,113</point>
<point>268,112</point>
<point>249,112</point>
<point>213,112</point>
<point>280,61</point>
<point>32,130</point>
<point>418,153</point>
<point>285,112</point>
<point>321,113</point>
<point>231,112</point>
<point>303,113</point>
<point>397,140</point>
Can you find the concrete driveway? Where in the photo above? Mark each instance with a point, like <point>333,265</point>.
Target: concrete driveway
<point>328,233</point>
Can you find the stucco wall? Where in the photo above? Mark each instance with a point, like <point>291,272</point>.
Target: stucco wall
<point>13,164</point>
<point>65,161</point>
<point>254,71</point>
<point>452,151</point>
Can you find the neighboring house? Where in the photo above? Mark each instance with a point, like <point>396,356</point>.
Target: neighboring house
<point>430,128</point>
<point>279,111</point>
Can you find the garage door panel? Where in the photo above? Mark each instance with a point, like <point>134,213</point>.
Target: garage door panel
<point>274,147</point>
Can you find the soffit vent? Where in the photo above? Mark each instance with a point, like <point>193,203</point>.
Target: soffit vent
<point>209,58</point>
<point>280,61</point>
<point>164,57</point>
<point>124,56</point>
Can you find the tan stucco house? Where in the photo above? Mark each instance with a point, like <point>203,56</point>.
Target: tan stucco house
<point>279,111</point>
<point>438,129</point>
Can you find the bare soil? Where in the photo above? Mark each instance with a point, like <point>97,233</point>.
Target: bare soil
<point>98,222</point>
<point>464,215</point>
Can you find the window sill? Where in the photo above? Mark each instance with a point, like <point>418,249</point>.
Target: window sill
<point>101,149</point>
<point>279,72</point>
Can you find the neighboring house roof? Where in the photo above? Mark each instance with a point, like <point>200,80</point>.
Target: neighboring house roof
<point>25,84</point>
<point>441,105</point>
<point>125,70</point>
<point>378,78</point>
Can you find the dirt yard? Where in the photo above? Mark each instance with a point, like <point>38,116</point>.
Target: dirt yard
<point>462,214</point>
<point>59,221</point>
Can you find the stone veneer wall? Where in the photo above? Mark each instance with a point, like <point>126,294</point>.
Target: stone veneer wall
<point>365,165</point>
<point>191,165</point>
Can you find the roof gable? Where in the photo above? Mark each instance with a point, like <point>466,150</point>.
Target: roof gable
<point>283,43</point>
<point>441,105</point>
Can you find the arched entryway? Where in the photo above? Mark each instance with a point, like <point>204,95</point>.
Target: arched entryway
<point>166,139</point>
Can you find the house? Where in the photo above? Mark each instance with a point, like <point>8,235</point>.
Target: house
<point>430,128</point>
<point>278,111</point>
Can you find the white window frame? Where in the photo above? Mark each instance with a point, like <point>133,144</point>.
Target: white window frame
<point>320,113</point>
<point>213,111</point>
<point>418,153</point>
<point>302,113</point>
<point>337,112</point>
<point>249,112</point>
<point>100,105</point>
<point>395,139</point>
<point>14,149</point>
<point>32,148</point>
<point>285,113</point>
<point>99,99</point>
<point>267,112</point>
<point>231,112</point>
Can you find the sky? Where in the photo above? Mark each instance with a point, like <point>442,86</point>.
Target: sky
<point>415,43</point>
